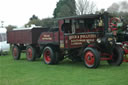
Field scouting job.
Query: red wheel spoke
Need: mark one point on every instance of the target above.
(15, 52)
(89, 58)
(47, 56)
(29, 53)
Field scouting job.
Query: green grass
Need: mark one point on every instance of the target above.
(22, 72)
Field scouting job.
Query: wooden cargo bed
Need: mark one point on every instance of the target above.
(26, 36)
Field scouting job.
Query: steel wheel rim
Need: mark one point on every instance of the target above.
(47, 56)
(29, 53)
(15, 52)
(89, 58)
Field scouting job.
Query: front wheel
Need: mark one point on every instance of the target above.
(117, 57)
(49, 55)
(91, 57)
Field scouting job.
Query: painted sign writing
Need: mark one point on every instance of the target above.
(82, 36)
(46, 37)
(80, 39)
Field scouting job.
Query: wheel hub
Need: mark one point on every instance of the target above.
(47, 56)
(89, 58)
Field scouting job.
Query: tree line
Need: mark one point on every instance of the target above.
(63, 8)
(66, 8)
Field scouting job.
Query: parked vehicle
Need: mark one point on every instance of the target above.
(80, 38)
(4, 46)
(122, 39)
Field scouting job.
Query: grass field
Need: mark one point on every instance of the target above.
(22, 72)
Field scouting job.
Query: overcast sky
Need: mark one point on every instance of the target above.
(18, 12)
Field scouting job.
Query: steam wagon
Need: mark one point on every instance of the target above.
(80, 38)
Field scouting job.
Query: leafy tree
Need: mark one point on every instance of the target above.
(34, 17)
(33, 20)
(65, 8)
(10, 27)
(36, 22)
(48, 22)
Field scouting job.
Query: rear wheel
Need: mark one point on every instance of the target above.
(49, 55)
(91, 57)
(16, 52)
(117, 57)
(30, 53)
